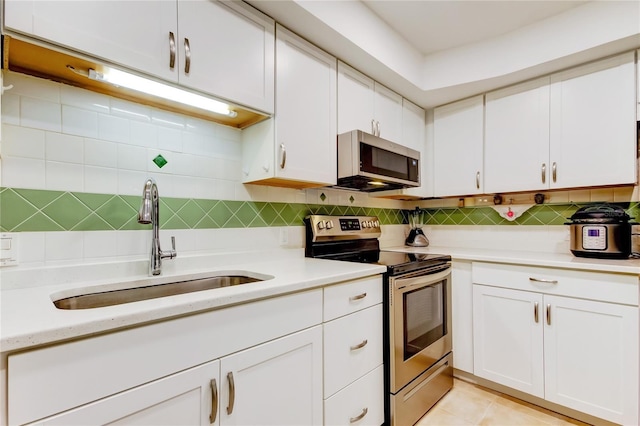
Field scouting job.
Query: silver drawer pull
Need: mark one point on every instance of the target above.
(358, 297)
(360, 416)
(541, 280)
(214, 401)
(232, 393)
(359, 345)
(535, 312)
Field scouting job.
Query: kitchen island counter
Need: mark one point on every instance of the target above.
(29, 317)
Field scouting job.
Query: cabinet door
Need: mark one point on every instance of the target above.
(305, 111)
(462, 315)
(185, 398)
(593, 124)
(276, 383)
(591, 357)
(458, 138)
(388, 113)
(355, 100)
(516, 144)
(507, 338)
(231, 51)
(134, 34)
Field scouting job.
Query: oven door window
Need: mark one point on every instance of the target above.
(424, 318)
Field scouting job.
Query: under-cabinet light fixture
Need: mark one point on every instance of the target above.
(151, 87)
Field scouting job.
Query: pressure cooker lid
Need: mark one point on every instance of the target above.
(602, 213)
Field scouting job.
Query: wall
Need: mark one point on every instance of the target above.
(74, 163)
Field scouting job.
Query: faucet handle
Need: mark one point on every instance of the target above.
(173, 243)
(170, 254)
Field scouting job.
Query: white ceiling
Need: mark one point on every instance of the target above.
(432, 26)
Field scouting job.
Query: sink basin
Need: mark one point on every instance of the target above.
(127, 295)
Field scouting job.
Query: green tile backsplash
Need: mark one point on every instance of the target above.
(23, 210)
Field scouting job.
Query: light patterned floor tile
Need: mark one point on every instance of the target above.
(439, 417)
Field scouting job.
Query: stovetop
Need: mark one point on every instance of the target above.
(399, 263)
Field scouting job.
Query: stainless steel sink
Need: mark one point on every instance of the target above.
(127, 295)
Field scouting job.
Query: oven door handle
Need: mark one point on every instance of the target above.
(406, 284)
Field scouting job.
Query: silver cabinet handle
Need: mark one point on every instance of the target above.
(359, 345)
(378, 128)
(214, 401)
(172, 50)
(187, 56)
(544, 172)
(283, 159)
(232, 393)
(477, 180)
(373, 126)
(358, 297)
(535, 312)
(548, 314)
(541, 280)
(554, 171)
(360, 416)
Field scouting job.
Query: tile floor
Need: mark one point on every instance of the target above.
(467, 404)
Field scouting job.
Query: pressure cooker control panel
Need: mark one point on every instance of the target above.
(594, 237)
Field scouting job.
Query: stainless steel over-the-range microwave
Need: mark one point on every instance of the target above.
(370, 163)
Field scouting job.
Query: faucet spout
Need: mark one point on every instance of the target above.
(150, 213)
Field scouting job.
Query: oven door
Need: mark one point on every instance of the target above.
(419, 324)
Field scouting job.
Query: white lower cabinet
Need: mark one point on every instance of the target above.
(534, 333)
(353, 371)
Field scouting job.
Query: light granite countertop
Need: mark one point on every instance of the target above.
(29, 317)
(553, 260)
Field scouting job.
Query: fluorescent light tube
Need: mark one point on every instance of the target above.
(151, 87)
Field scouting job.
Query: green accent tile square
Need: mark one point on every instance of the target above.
(257, 223)
(39, 222)
(39, 198)
(246, 213)
(234, 222)
(93, 222)
(14, 209)
(174, 204)
(191, 213)
(67, 211)
(133, 225)
(93, 201)
(175, 222)
(160, 161)
(206, 223)
(206, 205)
(271, 217)
(220, 214)
(117, 212)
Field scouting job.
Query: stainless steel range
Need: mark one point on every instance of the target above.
(417, 304)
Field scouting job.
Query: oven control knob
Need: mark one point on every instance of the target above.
(329, 224)
(321, 224)
(376, 224)
(364, 224)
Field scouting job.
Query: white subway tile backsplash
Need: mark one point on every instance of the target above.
(100, 180)
(580, 196)
(23, 142)
(84, 99)
(229, 133)
(10, 109)
(143, 134)
(132, 157)
(20, 172)
(99, 244)
(170, 139)
(114, 129)
(133, 243)
(168, 119)
(64, 148)
(184, 164)
(130, 182)
(225, 190)
(602, 195)
(31, 248)
(206, 167)
(195, 143)
(231, 170)
(130, 110)
(196, 125)
(32, 87)
(40, 114)
(623, 194)
(64, 176)
(77, 121)
(63, 246)
(100, 153)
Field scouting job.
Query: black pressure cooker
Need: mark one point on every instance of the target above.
(601, 231)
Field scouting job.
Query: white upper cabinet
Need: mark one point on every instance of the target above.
(297, 148)
(226, 47)
(593, 124)
(458, 137)
(230, 51)
(516, 144)
(366, 105)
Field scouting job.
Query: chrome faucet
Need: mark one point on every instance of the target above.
(150, 213)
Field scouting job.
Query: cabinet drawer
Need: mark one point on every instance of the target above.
(602, 286)
(352, 347)
(352, 296)
(71, 374)
(366, 395)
